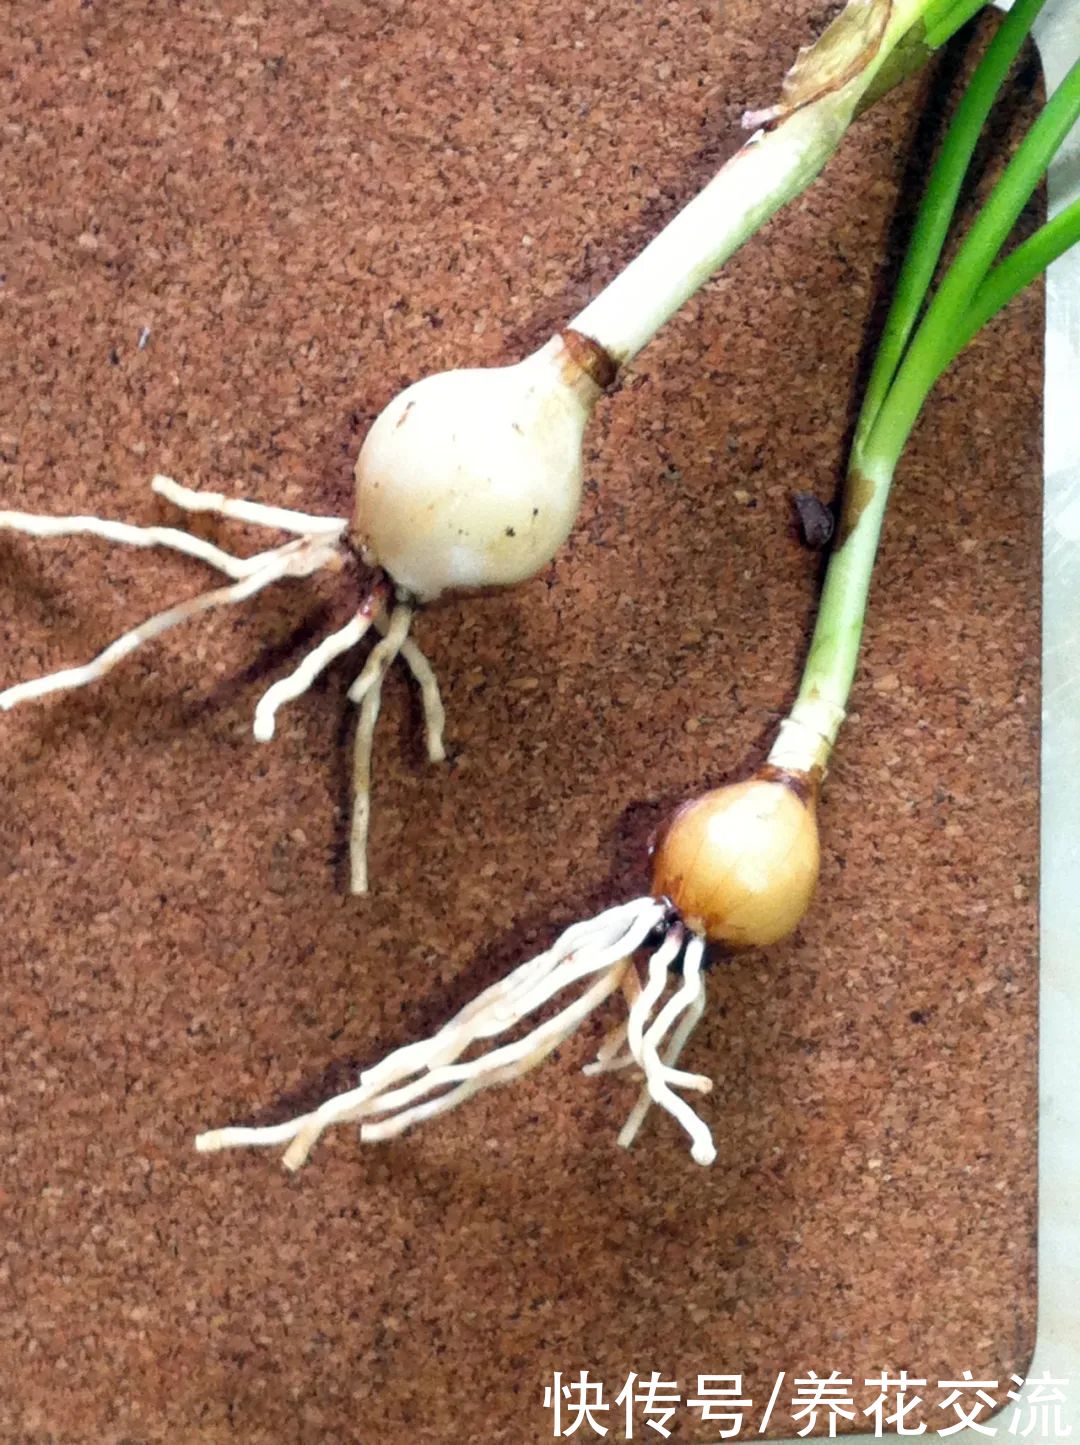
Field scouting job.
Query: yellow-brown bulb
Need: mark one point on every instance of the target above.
(741, 863)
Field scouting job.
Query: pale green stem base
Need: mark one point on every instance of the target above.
(807, 735)
(770, 170)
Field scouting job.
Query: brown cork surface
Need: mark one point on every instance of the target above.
(309, 206)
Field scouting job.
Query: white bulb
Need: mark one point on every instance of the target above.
(472, 478)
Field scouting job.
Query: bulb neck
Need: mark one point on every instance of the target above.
(584, 355)
(806, 738)
(581, 363)
(804, 783)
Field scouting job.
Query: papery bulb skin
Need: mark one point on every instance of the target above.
(472, 478)
(741, 863)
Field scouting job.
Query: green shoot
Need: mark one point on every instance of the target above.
(934, 345)
(974, 287)
(947, 17)
(1009, 277)
(939, 204)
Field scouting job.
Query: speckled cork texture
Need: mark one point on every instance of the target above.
(306, 207)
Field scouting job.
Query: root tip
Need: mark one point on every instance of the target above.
(208, 1143)
(295, 1157)
(358, 869)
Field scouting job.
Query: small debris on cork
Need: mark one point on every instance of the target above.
(816, 521)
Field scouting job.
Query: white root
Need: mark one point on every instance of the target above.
(279, 519)
(430, 697)
(383, 653)
(287, 689)
(661, 1075)
(295, 559)
(427, 1078)
(521, 1058)
(318, 544)
(612, 1054)
(510, 1061)
(500, 1003)
(31, 525)
(367, 690)
(492, 1011)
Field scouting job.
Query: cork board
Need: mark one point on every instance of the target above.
(306, 207)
